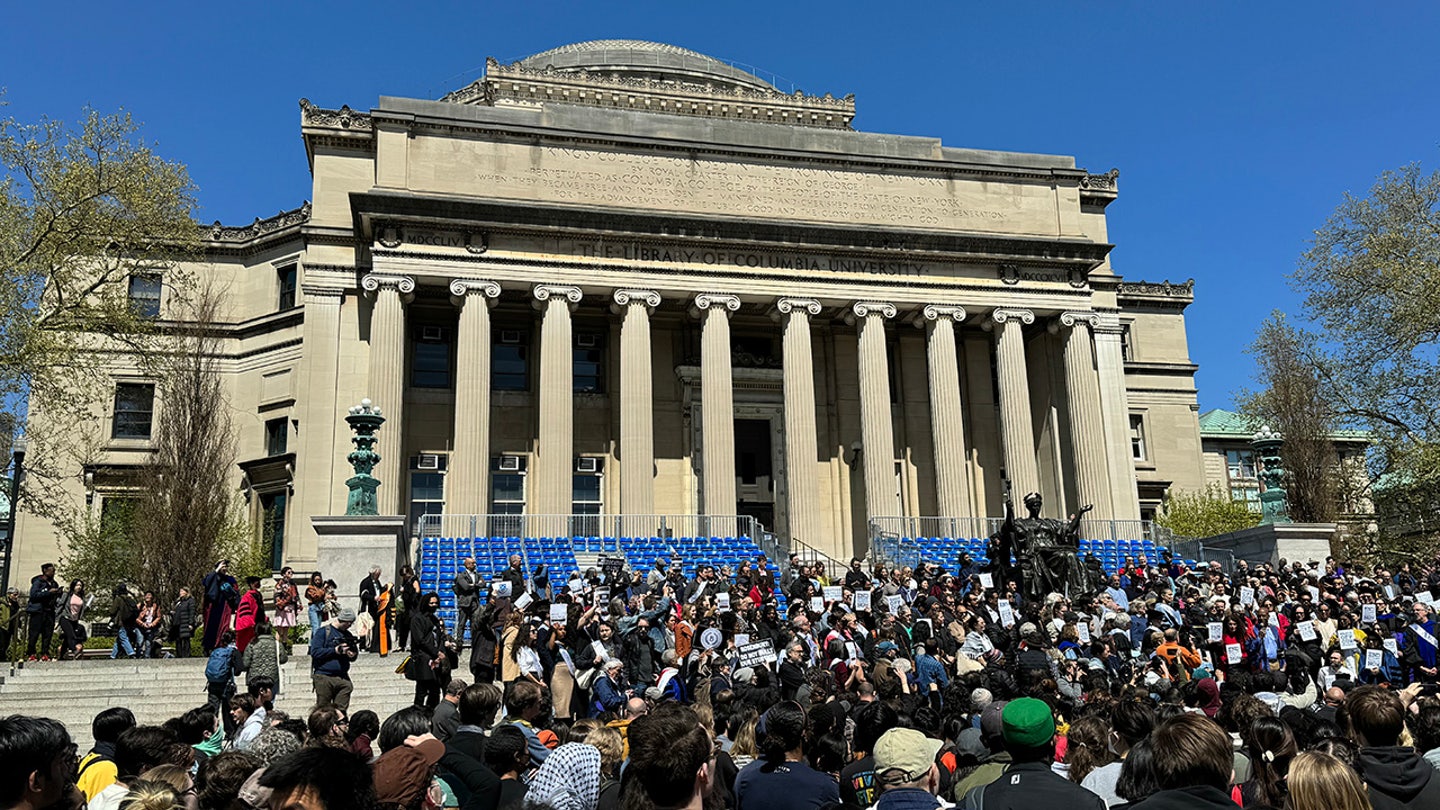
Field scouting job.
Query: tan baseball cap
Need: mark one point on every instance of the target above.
(904, 755)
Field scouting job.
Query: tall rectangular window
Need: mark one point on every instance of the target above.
(1127, 342)
(286, 276)
(507, 494)
(510, 360)
(277, 433)
(587, 497)
(427, 496)
(430, 361)
(1137, 437)
(134, 411)
(1248, 494)
(272, 526)
(145, 295)
(589, 363)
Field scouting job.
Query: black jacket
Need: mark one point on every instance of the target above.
(425, 640)
(182, 618)
(369, 595)
(1398, 777)
(1202, 797)
(1028, 785)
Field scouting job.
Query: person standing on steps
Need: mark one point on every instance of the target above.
(182, 622)
(409, 603)
(221, 596)
(370, 604)
(9, 619)
(315, 601)
(287, 602)
(40, 612)
(331, 651)
(250, 613)
(467, 598)
(72, 609)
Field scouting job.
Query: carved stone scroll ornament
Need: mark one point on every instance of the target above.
(625, 297)
(788, 305)
(1069, 319)
(544, 292)
(934, 312)
(863, 309)
(704, 301)
(1023, 316)
(374, 282)
(462, 288)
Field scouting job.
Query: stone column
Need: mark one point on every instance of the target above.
(317, 492)
(637, 404)
(1017, 435)
(877, 429)
(467, 483)
(1115, 411)
(802, 481)
(555, 448)
(390, 294)
(1087, 428)
(717, 405)
(947, 418)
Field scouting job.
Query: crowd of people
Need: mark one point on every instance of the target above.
(1301, 685)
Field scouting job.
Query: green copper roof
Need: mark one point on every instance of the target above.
(1219, 423)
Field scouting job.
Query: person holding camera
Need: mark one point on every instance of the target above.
(331, 651)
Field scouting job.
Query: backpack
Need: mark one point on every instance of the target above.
(220, 666)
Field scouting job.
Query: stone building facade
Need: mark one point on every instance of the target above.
(623, 278)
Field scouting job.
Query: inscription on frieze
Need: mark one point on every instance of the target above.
(700, 185)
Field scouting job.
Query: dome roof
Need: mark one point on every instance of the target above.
(634, 58)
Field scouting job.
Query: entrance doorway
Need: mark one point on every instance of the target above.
(755, 470)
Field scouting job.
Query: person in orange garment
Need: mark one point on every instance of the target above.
(1180, 659)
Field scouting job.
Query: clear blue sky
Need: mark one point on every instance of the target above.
(1236, 126)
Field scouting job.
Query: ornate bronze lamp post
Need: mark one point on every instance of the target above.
(1267, 445)
(364, 419)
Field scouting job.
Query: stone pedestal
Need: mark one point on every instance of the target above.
(1272, 542)
(349, 544)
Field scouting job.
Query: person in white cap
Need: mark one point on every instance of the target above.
(906, 771)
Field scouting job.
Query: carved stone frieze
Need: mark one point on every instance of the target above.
(260, 227)
(343, 118)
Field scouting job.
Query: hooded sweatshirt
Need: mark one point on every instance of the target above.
(1398, 778)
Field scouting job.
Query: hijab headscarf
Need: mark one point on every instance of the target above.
(1210, 693)
(569, 779)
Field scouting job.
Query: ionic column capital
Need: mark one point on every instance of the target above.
(373, 283)
(864, 309)
(785, 306)
(938, 312)
(463, 288)
(625, 297)
(1001, 315)
(1070, 319)
(544, 292)
(723, 302)
(1107, 323)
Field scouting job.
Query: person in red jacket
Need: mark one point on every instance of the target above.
(249, 613)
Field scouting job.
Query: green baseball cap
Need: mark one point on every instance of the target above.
(1028, 722)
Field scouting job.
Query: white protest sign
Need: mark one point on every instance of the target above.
(1347, 639)
(722, 601)
(853, 650)
(600, 651)
(1374, 658)
(711, 638)
(741, 639)
(559, 612)
(1424, 596)
(500, 588)
(1247, 595)
(833, 593)
(1389, 591)
(1216, 632)
(1392, 645)
(817, 604)
(1314, 593)
(1232, 653)
(862, 600)
(893, 603)
(759, 654)
(1007, 615)
(987, 581)
(1367, 614)
(576, 585)
(524, 601)
(1084, 630)
(1306, 631)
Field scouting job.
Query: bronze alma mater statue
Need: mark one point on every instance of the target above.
(1048, 552)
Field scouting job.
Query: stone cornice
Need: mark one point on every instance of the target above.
(1100, 189)
(285, 223)
(462, 288)
(1161, 291)
(517, 85)
(343, 119)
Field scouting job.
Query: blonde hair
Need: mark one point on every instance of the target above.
(611, 746)
(745, 741)
(145, 794)
(1319, 781)
(172, 775)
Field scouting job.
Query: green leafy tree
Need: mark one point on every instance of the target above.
(1371, 282)
(1205, 513)
(84, 208)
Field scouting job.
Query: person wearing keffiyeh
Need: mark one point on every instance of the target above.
(569, 780)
